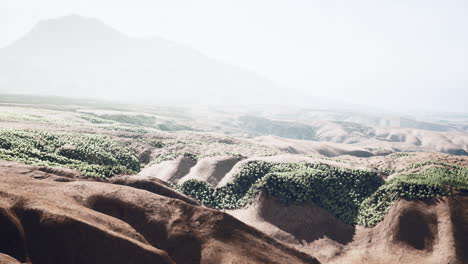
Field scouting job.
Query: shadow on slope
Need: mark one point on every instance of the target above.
(78, 221)
(295, 224)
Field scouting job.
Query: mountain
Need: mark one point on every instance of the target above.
(79, 56)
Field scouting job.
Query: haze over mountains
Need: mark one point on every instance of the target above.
(78, 56)
(119, 149)
(83, 57)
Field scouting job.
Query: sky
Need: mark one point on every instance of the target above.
(399, 54)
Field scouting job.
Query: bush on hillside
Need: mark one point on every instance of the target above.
(94, 156)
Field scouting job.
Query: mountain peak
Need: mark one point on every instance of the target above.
(70, 17)
(72, 20)
(83, 56)
(77, 24)
(70, 28)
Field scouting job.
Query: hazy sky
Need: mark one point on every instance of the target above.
(395, 53)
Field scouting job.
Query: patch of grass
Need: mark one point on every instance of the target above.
(148, 121)
(430, 183)
(263, 126)
(172, 156)
(403, 154)
(131, 129)
(139, 120)
(94, 156)
(95, 120)
(354, 196)
(340, 191)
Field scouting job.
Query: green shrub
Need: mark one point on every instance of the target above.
(198, 190)
(430, 183)
(354, 196)
(94, 156)
(338, 190)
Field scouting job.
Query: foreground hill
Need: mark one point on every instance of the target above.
(49, 216)
(413, 231)
(343, 215)
(53, 215)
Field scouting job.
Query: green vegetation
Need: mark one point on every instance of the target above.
(172, 126)
(429, 183)
(354, 196)
(95, 120)
(263, 126)
(402, 154)
(172, 156)
(94, 156)
(338, 190)
(141, 120)
(426, 163)
(131, 129)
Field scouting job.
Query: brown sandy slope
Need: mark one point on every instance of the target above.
(327, 149)
(154, 185)
(5, 259)
(415, 231)
(212, 169)
(171, 170)
(46, 218)
(298, 225)
(430, 231)
(384, 141)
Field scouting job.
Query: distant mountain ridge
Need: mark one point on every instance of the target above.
(78, 56)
